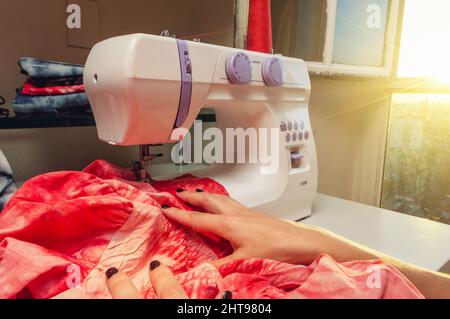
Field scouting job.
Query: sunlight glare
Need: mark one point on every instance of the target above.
(425, 44)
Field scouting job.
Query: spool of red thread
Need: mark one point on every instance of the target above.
(259, 36)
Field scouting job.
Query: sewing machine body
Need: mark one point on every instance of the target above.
(145, 89)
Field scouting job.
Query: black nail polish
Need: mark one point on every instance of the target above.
(154, 264)
(227, 295)
(198, 190)
(180, 190)
(111, 272)
(165, 206)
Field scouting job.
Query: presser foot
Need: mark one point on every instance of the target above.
(141, 167)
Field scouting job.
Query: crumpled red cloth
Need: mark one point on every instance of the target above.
(61, 231)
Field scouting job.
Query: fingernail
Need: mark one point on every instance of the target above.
(227, 295)
(165, 206)
(154, 264)
(111, 272)
(198, 190)
(180, 190)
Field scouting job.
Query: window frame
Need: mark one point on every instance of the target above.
(327, 67)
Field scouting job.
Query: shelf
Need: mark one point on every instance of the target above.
(45, 121)
(53, 120)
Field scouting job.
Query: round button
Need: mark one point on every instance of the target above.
(288, 138)
(296, 125)
(294, 137)
(239, 68)
(290, 126)
(300, 136)
(273, 71)
(306, 135)
(302, 125)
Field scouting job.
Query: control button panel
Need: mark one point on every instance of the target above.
(294, 131)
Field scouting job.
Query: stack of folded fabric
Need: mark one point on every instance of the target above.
(51, 87)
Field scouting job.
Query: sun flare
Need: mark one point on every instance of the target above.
(425, 44)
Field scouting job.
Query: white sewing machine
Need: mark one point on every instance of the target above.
(143, 89)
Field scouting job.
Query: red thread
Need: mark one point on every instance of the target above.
(259, 36)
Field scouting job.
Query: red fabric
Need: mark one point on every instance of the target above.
(104, 170)
(30, 89)
(62, 231)
(259, 35)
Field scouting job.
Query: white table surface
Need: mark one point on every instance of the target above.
(415, 240)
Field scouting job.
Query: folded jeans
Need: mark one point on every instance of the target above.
(43, 69)
(76, 102)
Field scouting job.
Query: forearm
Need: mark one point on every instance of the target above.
(431, 284)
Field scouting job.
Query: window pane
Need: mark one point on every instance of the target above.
(417, 169)
(425, 48)
(360, 32)
(299, 28)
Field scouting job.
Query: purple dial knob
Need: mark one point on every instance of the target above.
(273, 72)
(239, 68)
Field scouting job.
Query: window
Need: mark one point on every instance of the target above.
(360, 32)
(349, 37)
(425, 44)
(417, 168)
(299, 28)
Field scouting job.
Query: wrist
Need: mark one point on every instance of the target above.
(342, 249)
(308, 244)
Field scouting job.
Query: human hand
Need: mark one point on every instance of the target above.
(255, 235)
(163, 281)
(252, 234)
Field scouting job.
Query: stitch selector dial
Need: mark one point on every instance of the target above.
(273, 71)
(239, 68)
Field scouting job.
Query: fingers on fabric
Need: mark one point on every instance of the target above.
(226, 294)
(200, 222)
(164, 282)
(211, 203)
(120, 285)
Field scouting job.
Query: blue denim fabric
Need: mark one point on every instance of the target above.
(7, 186)
(42, 69)
(76, 102)
(55, 82)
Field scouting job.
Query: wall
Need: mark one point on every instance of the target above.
(350, 120)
